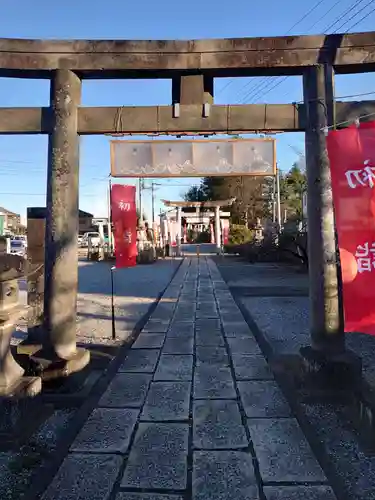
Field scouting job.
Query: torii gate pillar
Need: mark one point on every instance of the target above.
(217, 230)
(61, 243)
(178, 232)
(327, 353)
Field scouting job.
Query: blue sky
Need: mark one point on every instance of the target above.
(23, 158)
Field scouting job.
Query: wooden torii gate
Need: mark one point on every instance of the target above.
(192, 66)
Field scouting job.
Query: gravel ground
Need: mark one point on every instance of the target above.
(280, 314)
(135, 289)
(268, 293)
(18, 466)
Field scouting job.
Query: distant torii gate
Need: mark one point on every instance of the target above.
(216, 205)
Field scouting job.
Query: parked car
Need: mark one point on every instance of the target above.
(18, 247)
(22, 238)
(94, 238)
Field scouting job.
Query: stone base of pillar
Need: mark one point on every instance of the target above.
(331, 370)
(50, 366)
(24, 387)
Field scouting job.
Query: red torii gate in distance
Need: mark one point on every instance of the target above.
(216, 205)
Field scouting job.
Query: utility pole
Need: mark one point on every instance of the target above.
(140, 187)
(278, 198)
(273, 199)
(153, 201)
(152, 188)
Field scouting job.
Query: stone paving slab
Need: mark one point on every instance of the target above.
(181, 329)
(179, 345)
(185, 309)
(207, 324)
(149, 341)
(212, 356)
(212, 382)
(108, 430)
(235, 316)
(127, 390)
(154, 326)
(163, 312)
(283, 452)
(236, 329)
(263, 398)
(243, 345)
(217, 425)
(158, 458)
(174, 367)
(146, 496)
(184, 316)
(173, 413)
(223, 475)
(209, 338)
(206, 313)
(140, 360)
(167, 401)
(251, 367)
(83, 477)
(299, 492)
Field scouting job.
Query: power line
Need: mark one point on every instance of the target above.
(362, 19)
(265, 83)
(325, 15)
(282, 79)
(305, 16)
(318, 3)
(261, 87)
(346, 122)
(258, 91)
(355, 4)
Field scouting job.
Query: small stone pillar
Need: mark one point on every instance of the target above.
(35, 279)
(217, 230)
(12, 382)
(61, 256)
(178, 231)
(259, 236)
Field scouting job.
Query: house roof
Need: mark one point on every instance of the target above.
(82, 213)
(8, 212)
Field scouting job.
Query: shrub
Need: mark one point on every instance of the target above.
(239, 234)
(203, 237)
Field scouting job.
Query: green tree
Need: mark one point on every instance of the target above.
(292, 186)
(252, 196)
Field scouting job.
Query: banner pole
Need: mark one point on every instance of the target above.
(110, 215)
(111, 248)
(113, 306)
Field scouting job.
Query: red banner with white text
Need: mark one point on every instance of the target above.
(351, 154)
(124, 219)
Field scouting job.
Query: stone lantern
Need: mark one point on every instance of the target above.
(12, 380)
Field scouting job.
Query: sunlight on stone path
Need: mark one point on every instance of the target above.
(193, 412)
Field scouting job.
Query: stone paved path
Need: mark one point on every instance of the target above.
(193, 412)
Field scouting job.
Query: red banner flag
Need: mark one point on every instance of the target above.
(351, 153)
(124, 219)
(225, 230)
